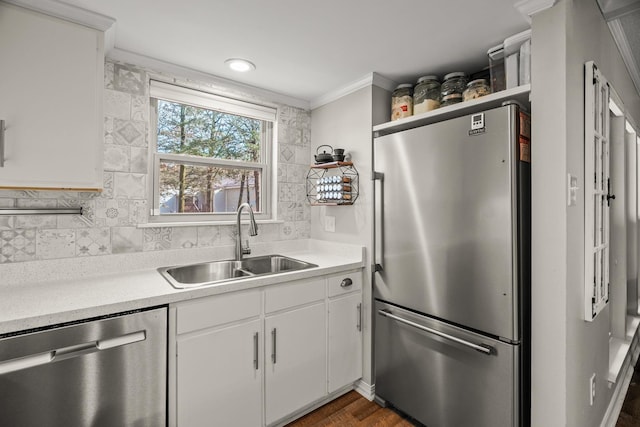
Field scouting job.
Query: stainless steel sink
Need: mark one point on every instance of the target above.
(209, 273)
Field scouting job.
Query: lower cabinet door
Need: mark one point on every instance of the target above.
(345, 341)
(296, 361)
(219, 377)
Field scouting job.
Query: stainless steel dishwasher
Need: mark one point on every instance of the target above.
(105, 372)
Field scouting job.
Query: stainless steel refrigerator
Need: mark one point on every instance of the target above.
(452, 279)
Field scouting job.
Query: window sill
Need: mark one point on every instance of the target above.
(623, 352)
(204, 223)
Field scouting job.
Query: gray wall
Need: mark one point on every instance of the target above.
(566, 349)
(346, 123)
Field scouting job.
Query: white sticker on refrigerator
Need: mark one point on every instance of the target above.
(477, 124)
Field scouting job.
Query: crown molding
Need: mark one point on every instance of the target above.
(371, 79)
(67, 12)
(531, 7)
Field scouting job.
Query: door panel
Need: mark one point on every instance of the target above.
(448, 222)
(441, 382)
(298, 375)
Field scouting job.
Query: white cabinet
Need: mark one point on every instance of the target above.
(258, 357)
(51, 82)
(216, 361)
(297, 359)
(345, 341)
(344, 330)
(219, 377)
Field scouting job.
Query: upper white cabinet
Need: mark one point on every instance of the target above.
(51, 82)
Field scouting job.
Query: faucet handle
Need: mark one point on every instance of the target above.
(246, 250)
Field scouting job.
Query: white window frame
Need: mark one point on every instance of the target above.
(596, 179)
(197, 98)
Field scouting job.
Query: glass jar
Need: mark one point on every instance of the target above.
(452, 88)
(402, 101)
(476, 89)
(426, 95)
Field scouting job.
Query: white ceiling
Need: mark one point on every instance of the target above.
(306, 49)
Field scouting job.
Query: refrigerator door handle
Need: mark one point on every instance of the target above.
(378, 236)
(482, 348)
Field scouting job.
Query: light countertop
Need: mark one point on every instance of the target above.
(44, 293)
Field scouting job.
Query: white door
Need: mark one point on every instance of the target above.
(219, 377)
(345, 341)
(296, 360)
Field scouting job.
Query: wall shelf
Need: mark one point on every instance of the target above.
(340, 188)
(494, 100)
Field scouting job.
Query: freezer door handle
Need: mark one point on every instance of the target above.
(482, 348)
(378, 218)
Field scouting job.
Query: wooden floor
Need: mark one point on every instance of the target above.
(351, 410)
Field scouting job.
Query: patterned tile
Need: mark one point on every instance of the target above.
(139, 160)
(287, 231)
(287, 154)
(140, 108)
(184, 238)
(130, 133)
(17, 245)
(7, 222)
(93, 241)
(116, 158)
(208, 236)
(126, 239)
(87, 219)
(157, 239)
(107, 186)
(112, 212)
(129, 185)
(108, 130)
(129, 79)
(36, 221)
(108, 74)
(51, 244)
(117, 104)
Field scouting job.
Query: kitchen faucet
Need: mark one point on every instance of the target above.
(253, 231)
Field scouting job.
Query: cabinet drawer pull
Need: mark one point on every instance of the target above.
(359, 324)
(1, 143)
(346, 283)
(273, 345)
(255, 351)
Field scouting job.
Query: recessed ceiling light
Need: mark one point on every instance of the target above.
(240, 65)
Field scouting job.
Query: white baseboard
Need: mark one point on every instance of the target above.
(368, 391)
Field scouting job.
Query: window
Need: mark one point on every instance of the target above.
(210, 154)
(597, 197)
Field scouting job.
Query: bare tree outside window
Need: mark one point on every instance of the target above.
(218, 166)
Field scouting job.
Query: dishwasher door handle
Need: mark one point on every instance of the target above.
(69, 352)
(482, 348)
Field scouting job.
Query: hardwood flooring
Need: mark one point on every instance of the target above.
(630, 412)
(351, 410)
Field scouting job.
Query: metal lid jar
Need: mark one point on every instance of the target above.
(476, 89)
(452, 88)
(426, 95)
(402, 101)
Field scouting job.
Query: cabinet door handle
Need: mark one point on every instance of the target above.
(359, 324)
(255, 351)
(1, 143)
(273, 345)
(346, 282)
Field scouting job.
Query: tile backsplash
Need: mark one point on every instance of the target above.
(111, 219)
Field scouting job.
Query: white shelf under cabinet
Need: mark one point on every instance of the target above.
(520, 94)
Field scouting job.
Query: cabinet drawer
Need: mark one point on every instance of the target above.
(344, 282)
(289, 295)
(217, 310)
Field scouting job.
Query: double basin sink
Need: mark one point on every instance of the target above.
(209, 273)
